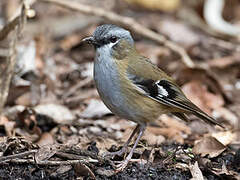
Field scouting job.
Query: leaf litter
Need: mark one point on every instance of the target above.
(54, 124)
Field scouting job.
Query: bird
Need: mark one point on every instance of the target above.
(134, 88)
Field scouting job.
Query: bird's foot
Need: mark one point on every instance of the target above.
(120, 166)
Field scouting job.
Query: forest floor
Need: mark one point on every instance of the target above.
(55, 126)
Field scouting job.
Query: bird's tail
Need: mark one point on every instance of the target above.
(202, 115)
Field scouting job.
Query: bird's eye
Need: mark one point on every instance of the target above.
(113, 39)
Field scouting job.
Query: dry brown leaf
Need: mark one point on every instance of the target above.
(174, 123)
(59, 113)
(149, 136)
(152, 139)
(208, 146)
(225, 138)
(199, 95)
(72, 140)
(106, 143)
(173, 129)
(46, 139)
(95, 108)
(122, 123)
(170, 133)
(45, 152)
(103, 142)
(200, 127)
(84, 142)
(83, 170)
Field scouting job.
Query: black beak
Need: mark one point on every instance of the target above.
(90, 40)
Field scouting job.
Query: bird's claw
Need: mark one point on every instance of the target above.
(121, 166)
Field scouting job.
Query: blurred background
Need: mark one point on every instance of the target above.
(46, 77)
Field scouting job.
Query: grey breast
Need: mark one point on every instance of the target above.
(107, 83)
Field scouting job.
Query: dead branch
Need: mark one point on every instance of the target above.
(14, 156)
(49, 163)
(69, 156)
(9, 27)
(8, 39)
(80, 152)
(128, 22)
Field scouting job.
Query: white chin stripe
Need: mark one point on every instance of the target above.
(110, 45)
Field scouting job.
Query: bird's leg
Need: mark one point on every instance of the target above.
(124, 148)
(124, 163)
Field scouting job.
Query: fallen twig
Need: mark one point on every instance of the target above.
(76, 157)
(49, 163)
(8, 38)
(9, 27)
(126, 21)
(77, 151)
(18, 20)
(20, 155)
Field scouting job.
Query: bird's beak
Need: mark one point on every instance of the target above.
(90, 40)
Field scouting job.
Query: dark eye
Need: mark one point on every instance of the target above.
(113, 39)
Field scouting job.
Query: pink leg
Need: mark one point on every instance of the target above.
(124, 163)
(124, 148)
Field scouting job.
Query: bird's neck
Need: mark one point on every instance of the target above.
(123, 50)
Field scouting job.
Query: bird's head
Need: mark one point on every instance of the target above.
(112, 40)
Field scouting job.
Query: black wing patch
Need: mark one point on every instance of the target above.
(148, 85)
(163, 91)
(155, 89)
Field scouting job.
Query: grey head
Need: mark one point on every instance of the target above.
(109, 34)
